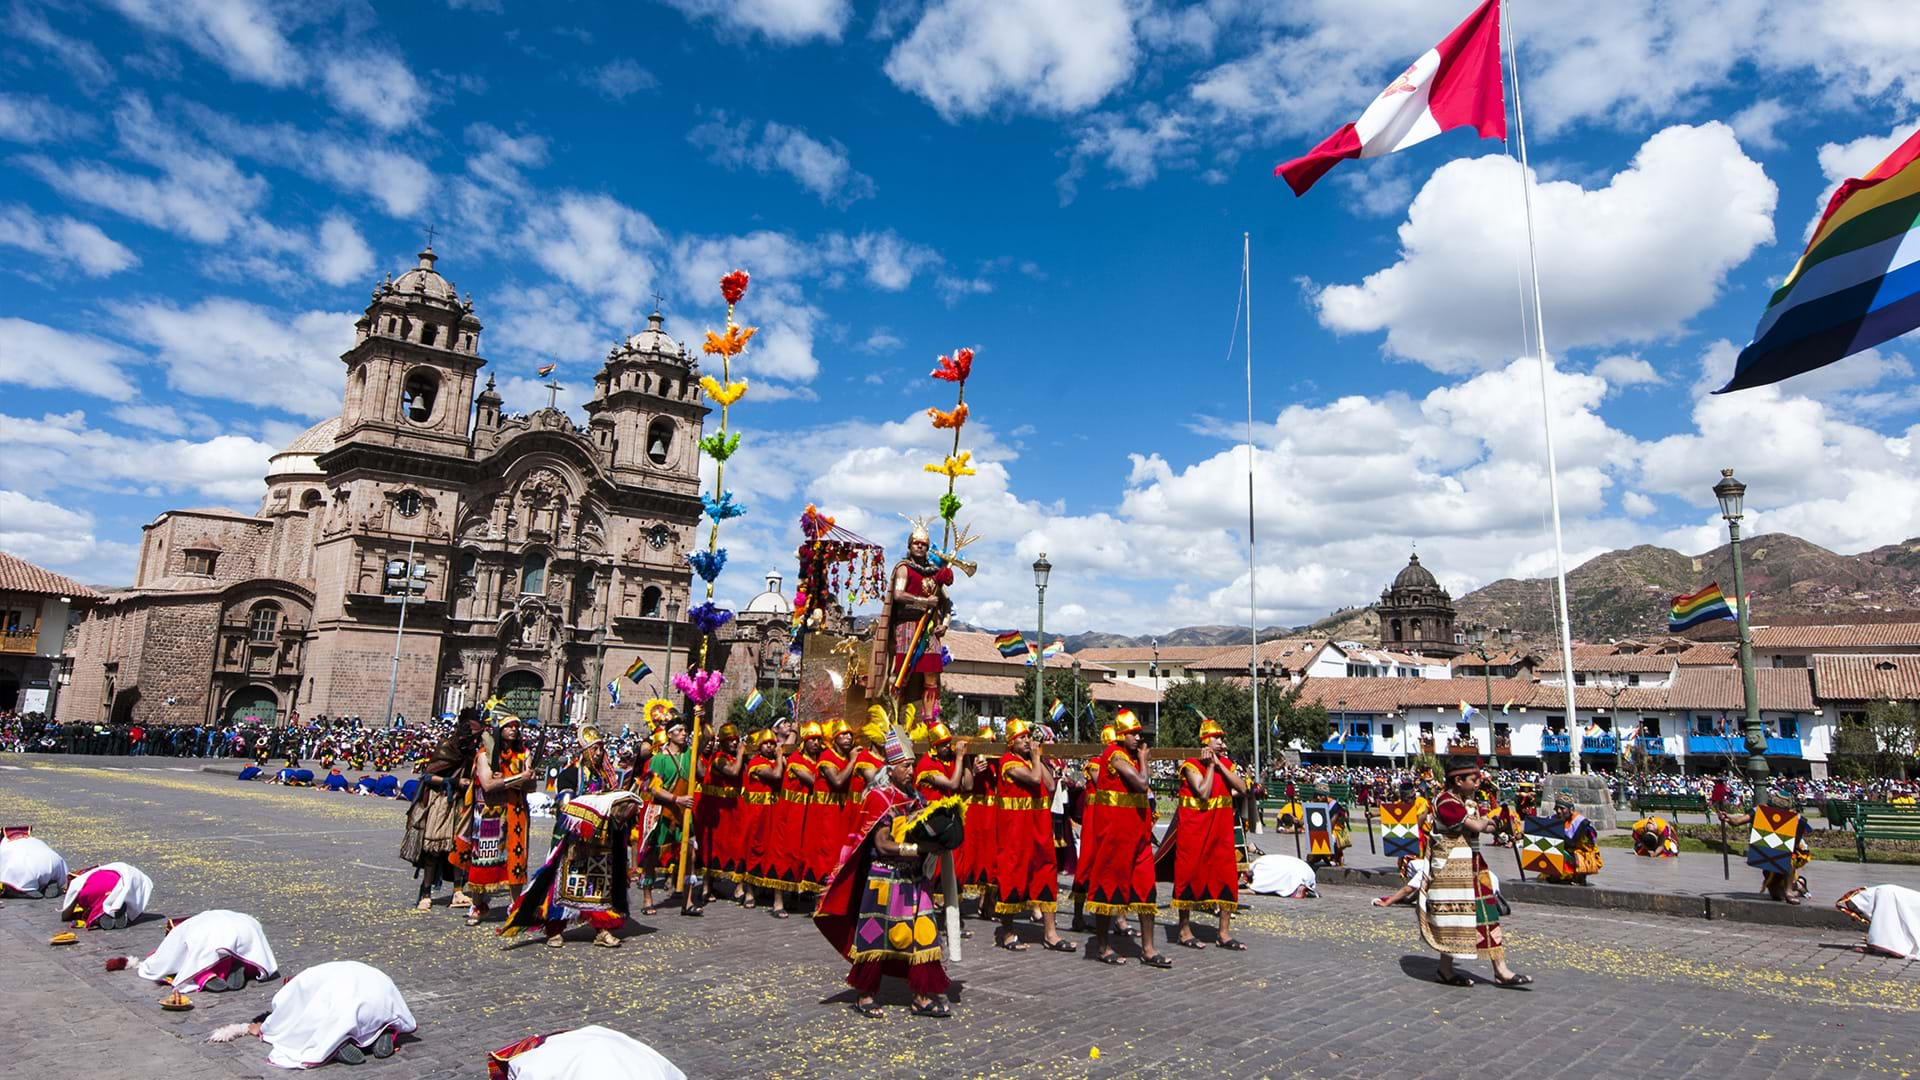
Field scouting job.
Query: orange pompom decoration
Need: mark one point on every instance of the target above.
(734, 286)
(952, 419)
(957, 369)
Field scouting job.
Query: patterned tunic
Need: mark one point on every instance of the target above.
(1459, 915)
(497, 863)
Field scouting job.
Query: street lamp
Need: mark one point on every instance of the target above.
(1156, 687)
(1342, 732)
(1041, 568)
(1478, 637)
(1076, 699)
(1731, 493)
(673, 617)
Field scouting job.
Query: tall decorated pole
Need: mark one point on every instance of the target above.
(701, 684)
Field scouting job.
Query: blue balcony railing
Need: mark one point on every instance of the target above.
(1653, 746)
(1556, 743)
(1777, 746)
(1600, 744)
(1352, 744)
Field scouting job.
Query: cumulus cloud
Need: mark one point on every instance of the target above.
(618, 80)
(967, 57)
(1631, 261)
(46, 358)
(1622, 370)
(64, 242)
(60, 538)
(823, 168)
(61, 451)
(785, 22)
(239, 351)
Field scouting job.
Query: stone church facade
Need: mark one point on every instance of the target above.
(527, 553)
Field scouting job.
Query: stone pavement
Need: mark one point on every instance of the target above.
(1331, 987)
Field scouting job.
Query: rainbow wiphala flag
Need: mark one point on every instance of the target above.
(1010, 644)
(1695, 608)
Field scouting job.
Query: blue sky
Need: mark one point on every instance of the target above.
(197, 196)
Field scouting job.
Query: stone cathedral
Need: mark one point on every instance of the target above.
(527, 555)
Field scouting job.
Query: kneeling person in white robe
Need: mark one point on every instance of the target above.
(106, 897)
(588, 1053)
(338, 1011)
(28, 867)
(213, 951)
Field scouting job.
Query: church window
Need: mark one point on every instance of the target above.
(1415, 629)
(263, 623)
(311, 500)
(417, 401)
(533, 572)
(1396, 630)
(650, 602)
(660, 441)
(429, 333)
(469, 563)
(200, 562)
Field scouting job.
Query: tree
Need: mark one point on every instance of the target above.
(778, 703)
(1284, 716)
(1060, 682)
(1883, 742)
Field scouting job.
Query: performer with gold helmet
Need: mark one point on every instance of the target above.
(1026, 875)
(1120, 873)
(716, 817)
(788, 871)
(1206, 866)
(918, 609)
(840, 777)
(759, 790)
(669, 787)
(1091, 768)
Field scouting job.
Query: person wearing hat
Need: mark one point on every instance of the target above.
(1026, 877)
(670, 787)
(788, 871)
(1090, 770)
(941, 773)
(1120, 872)
(1790, 887)
(878, 910)
(1206, 866)
(1583, 843)
(759, 788)
(434, 820)
(1459, 911)
(716, 817)
(584, 879)
(497, 860)
(840, 777)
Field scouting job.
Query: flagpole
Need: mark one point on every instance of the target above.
(1253, 593)
(1546, 403)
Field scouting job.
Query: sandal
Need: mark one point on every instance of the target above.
(1012, 945)
(649, 910)
(781, 915)
(555, 942)
(868, 1009)
(1518, 980)
(474, 916)
(1111, 958)
(1191, 943)
(1157, 960)
(1232, 944)
(1059, 945)
(1453, 979)
(936, 1009)
(693, 912)
(425, 904)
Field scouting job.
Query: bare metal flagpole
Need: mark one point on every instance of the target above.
(1546, 404)
(1253, 593)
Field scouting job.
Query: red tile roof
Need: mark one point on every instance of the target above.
(1785, 689)
(19, 575)
(1289, 653)
(1122, 693)
(1865, 635)
(1629, 662)
(1867, 678)
(1143, 654)
(1706, 656)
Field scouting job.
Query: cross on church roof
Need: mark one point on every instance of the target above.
(430, 231)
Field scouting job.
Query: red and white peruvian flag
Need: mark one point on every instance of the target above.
(1456, 84)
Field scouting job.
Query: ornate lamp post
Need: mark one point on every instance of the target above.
(1076, 699)
(1341, 731)
(1041, 568)
(673, 617)
(1156, 688)
(1478, 638)
(1731, 493)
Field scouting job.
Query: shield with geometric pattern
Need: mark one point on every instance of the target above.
(1399, 830)
(1319, 828)
(1770, 845)
(1543, 846)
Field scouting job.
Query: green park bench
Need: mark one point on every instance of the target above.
(1839, 813)
(1883, 821)
(1673, 804)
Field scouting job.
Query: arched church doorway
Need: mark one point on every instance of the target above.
(253, 705)
(520, 692)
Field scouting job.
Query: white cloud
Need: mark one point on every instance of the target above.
(238, 351)
(966, 57)
(59, 538)
(1840, 162)
(1620, 370)
(242, 36)
(823, 168)
(399, 182)
(1632, 261)
(342, 255)
(1755, 124)
(64, 241)
(782, 21)
(618, 80)
(80, 58)
(26, 118)
(377, 86)
(599, 246)
(46, 359)
(1636, 504)
(166, 419)
(60, 451)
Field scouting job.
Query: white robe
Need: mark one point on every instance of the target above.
(1282, 875)
(1893, 912)
(592, 1053)
(130, 894)
(318, 1009)
(28, 864)
(198, 943)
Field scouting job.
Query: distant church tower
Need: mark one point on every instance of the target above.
(1416, 614)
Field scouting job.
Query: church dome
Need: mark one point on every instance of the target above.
(771, 602)
(423, 280)
(654, 340)
(1415, 576)
(301, 456)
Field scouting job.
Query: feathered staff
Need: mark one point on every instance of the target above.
(955, 371)
(701, 685)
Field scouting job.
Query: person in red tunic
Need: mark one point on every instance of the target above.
(917, 614)
(787, 844)
(1091, 773)
(759, 788)
(1025, 874)
(867, 764)
(1120, 876)
(978, 860)
(827, 818)
(715, 816)
(1206, 868)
